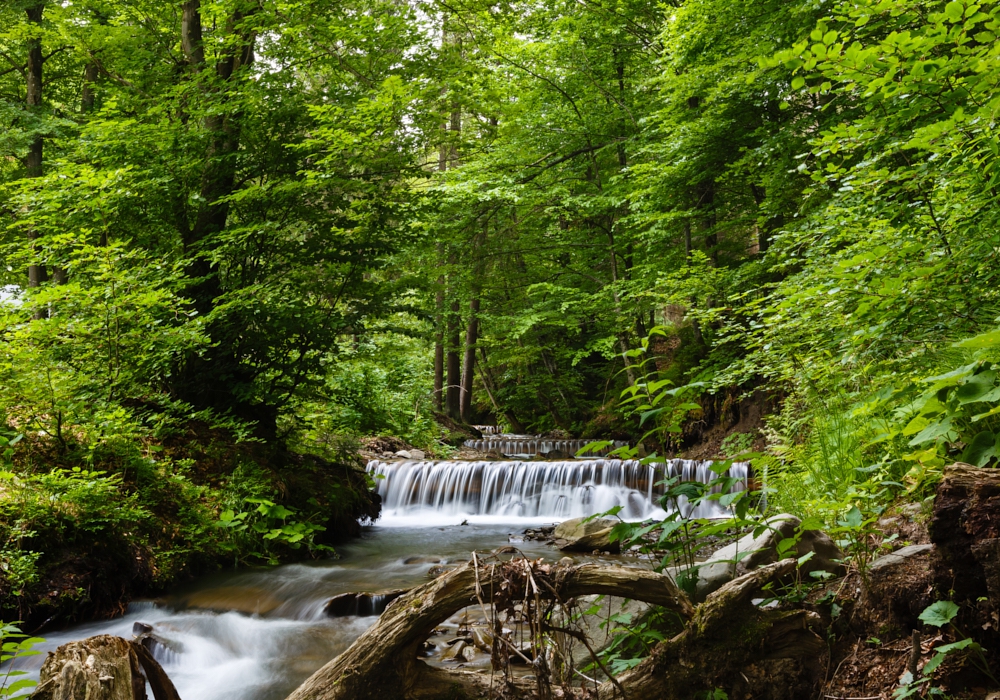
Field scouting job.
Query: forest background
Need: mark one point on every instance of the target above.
(240, 235)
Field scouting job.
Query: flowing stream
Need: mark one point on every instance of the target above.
(257, 634)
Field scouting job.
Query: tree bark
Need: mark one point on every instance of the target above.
(965, 529)
(33, 102)
(102, 668)
(454, 379)
(383, 665)
(439, 346)
(469, 362)
(721, 636)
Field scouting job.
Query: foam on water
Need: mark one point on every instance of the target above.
(437, 492)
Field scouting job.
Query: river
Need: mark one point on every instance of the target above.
(257, 634)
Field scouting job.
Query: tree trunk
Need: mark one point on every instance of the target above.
(102, 668)
(469, 363)
(454, 379)
(721, 637)
(383, 665)
(33, 102)
(439, 346)
(965, 529)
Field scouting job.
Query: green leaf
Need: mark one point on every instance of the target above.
(981, 450)
(798, 82)
(939, 614)
(990, 339)
(954, 11)
(853, 518)
(931, 432)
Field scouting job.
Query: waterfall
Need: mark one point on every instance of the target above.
(527, 446)
(430, 492)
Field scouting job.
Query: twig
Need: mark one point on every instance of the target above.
(914, 655)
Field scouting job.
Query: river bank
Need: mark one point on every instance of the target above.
(82, 538)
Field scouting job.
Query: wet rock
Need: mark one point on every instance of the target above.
(139, 628)
(422, 560)
(245, 599)
(360, 604)
(482, 638)
(436, 571)
(460, 651)
(749, 553)
(539, 534)
(556, 454)
(404, 454)
(900, 556)
(594, 535)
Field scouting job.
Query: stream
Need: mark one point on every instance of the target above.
(257, 634)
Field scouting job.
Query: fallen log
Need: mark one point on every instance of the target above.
(720, 636)
(726, 634)
(102, 668)
(383, 665)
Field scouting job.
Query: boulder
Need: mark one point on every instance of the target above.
(404, 454)
(593, 535)
(416, 454)
(749, 553)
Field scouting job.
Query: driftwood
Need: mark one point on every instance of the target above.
(720, 636)
(102, 668)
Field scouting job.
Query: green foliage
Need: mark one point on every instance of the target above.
(941, 614)
(16, 645)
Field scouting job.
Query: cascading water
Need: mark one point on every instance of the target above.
(528, 446)
(498, 491)
(255, 635)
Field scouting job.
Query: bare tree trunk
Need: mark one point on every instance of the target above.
(383, 665)
(721, 636)
(33, 101)
(452, 360)
(469, 361)
(439, 345)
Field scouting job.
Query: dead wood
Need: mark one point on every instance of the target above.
(382, 664)
(721, 635)
(102, 668)
(726, 634)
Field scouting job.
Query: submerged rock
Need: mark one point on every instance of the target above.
(360, 604)
(594, 535)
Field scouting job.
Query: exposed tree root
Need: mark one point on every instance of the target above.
(720, 637)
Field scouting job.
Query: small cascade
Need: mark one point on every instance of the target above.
(428, 491)
(488, 429)
(527, 446)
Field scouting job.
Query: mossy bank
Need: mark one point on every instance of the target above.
(83, 533)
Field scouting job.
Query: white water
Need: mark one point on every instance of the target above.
(257, 634)
(430, 492)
